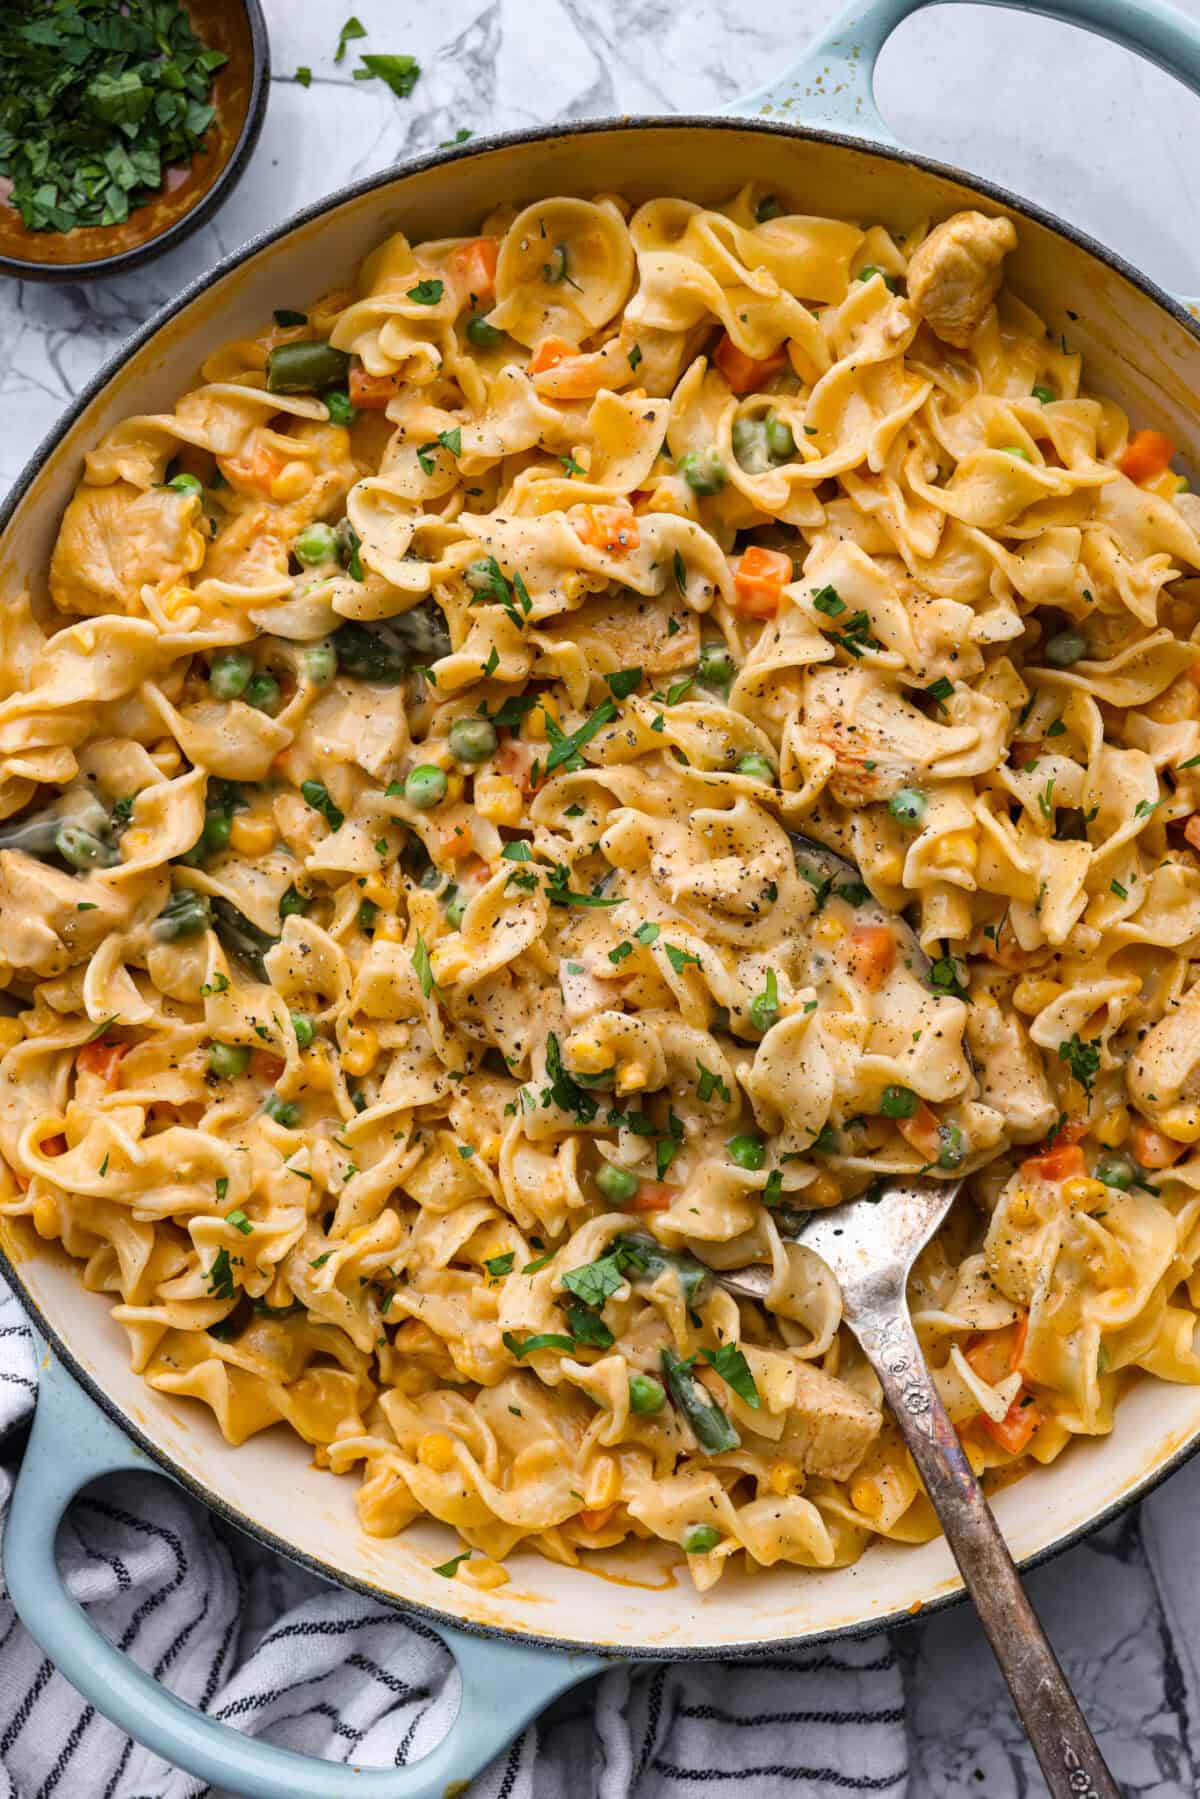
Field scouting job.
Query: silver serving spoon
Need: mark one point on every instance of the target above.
(870, 1246)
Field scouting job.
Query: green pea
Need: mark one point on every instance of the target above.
(217, 827)
(341, 410)
(425, 787)
(306, 368)
(483, 335)
(1115, 1171)
(750, 445)
(1016, 450)
(283, 1111)
(292, 902)
(780, 442)
(1065, 647)
(229, 674)
(767, 208)
(908, 807)
(705, 472)
(186, 484)
(617, 1184)
(898, 1102)
(1044, 394)
(473, 739)
(827, 1141)
(315, 544)
(82, 849)
(756, 768)
(185, 914)
(646, 1395)
(264, 693)
(748, 1151)
(717, 667)
(368, 916)
(455, 903)
(228, 1059)
(698, 1539)
(304, 1028)
(320, 663)
(953, 1151)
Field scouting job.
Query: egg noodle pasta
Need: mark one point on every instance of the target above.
(415, 983)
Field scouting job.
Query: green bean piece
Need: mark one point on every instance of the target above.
(36, 835)
(292, 903)
(304, 1028)
(228, 1059)
(82, 849)
(710, 1427)
(229, 674)
(647, 1259)
(186, 914)
(425, 786)
(748, 1151)
(473, 740)
(704, 471)
(315, 545)
(646, 1395)
(483, 335)
(1065, 647)
(308, 367)
(699, 1539)
(750, 445)
(908, 807)
(241, 938)
(320, 662)
(756, 768)
(264, 693)
(617, 1184)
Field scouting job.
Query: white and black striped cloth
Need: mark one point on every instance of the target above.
(252, 1639)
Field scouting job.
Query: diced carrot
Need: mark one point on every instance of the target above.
(869, 953)
(54, 1146)
(1020, 1332)
(257, 470)
(1146, 455)
(654, 1196)
(922, 1130)
(1017, 1425)
(1191, 831)
(760, 580)
(745, 373)
(475, 266)
(265, 1067)
(1072, 1130)
(101, 1059)
(549, 354)
(1055, 1164)
(597, 1518)
(993, 1354)
(610, 528)
(1152, 1148)
(455, 842)
(371, 393)
(515, 758)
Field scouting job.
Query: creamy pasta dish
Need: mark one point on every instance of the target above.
(417, 987)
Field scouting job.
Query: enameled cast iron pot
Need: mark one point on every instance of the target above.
(552, 1626)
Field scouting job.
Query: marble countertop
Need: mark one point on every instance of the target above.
(1053, 114)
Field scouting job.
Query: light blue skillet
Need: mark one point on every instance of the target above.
(504, 1683)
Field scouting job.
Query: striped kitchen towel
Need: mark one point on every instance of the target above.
(251, 1639)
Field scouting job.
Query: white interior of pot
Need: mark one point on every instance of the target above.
(640, 1597)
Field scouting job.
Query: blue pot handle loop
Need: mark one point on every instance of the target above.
(504, 1685)
(833, 86)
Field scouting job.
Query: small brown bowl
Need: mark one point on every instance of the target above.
(189, 196)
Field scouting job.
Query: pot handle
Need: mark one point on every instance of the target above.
(504, 1685)
(833, 84)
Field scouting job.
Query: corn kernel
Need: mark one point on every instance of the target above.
(604, 1483)
(45, 1215)
(317, 1072)
(1082, 1190)
(587, 1055)
(1031, 994)
(390, 929)
(1182, 1124)
(782, 1477)
(292, 482)
(956, 849)
(1111, 1128)
(177, 601)
(481, 1571)
(535, 721)
(889, 867)
(866, 1496)
(823, 1191)
(498, 799)
(360, 1051)
(436, 1451)
(251, 836)
(11, 1034)
(829, 929)
(454, 787)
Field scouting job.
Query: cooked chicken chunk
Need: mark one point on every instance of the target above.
(829, 1426)
(45, 933)
(1011, 1076)
(955, 274)
(115, 540)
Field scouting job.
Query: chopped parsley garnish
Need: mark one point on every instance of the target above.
(939, 690)
(647, 934)
(623, 682)
(239, 1221)
(499, 1265)
(572, 467)
(680, 568)
(401, 74)
(541, 1340)
(634, 356)
(710, 1083)
(944, 978)
(829, 601)
(220, 1277)
(564, 751)
(421, 962)
(563, 1091)
(764, 1007)
(680, 958)
(449, 1569)
(353, 28)
(317, 796)
(597, 1281)
(1115, 886)
(427, 292)
(1083, 1058)
(856, 636)
(732, 1366)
